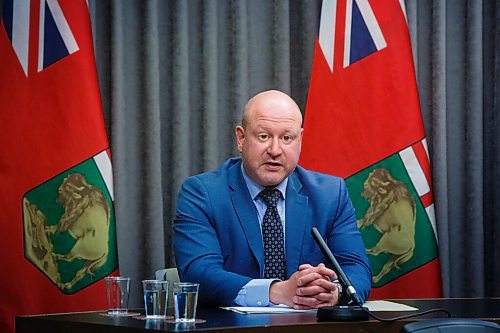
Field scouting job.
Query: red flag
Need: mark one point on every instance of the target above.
(363, 123)
(57, 213)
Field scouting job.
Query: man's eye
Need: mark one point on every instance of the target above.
(263, 136)
(287, 138)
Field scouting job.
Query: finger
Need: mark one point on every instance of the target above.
(329, 298)
(309, 302)
(321, 269)
(313, 290)
(301, 307)
(321, 305)
(308, 266)
(308, 278)
(327, 272)
(304, 266)
(307, 269)
(313, 303)
(325, 284)
(310, 291)
(321, 300)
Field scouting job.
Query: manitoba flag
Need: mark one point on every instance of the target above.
(56, 193)
(363, 123)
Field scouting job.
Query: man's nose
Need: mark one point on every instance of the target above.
(274, 147)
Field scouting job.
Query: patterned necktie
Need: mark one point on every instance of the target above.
(272, 234)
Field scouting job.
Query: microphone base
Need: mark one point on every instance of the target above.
(342, 313)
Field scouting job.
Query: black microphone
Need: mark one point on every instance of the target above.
(339, 312)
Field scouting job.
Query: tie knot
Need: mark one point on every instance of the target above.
(270, 196)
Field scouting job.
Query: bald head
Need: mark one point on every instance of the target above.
(269, 138)
(275, 102)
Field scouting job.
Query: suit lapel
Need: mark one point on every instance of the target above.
(245, 210)
(296, 213)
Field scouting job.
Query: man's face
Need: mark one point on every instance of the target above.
(271, 140)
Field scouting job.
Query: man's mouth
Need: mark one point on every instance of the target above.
(273, 164)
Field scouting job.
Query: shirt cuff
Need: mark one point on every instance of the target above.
(254, 293)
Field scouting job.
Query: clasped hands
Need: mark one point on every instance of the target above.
(308, 288)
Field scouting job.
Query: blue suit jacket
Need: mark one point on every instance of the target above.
(218, 241)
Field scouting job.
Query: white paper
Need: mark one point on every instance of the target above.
(388, 306)
(281, 308)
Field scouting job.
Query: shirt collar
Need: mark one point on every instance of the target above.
(255, 188)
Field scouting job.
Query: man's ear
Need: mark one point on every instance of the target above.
(239, 133)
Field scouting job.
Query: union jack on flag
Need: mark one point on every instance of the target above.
(362, 33)
(55, 38)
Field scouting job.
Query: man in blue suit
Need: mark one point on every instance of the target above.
(221, 217)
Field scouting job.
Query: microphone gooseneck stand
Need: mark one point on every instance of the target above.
(354, 311)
